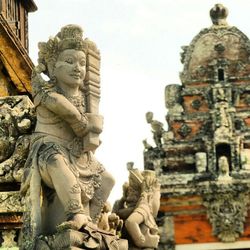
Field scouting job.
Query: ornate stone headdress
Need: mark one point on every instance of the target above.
(150, 182)
(145, 181)
(70, 37)
(135, 179)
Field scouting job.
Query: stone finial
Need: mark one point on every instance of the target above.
(219, 14)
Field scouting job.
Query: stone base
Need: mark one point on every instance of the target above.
(87, 239)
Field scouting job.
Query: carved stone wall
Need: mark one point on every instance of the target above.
(16, 123)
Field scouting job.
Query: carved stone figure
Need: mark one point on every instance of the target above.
(227, 211)
(138, 207)
(61, 161)
(223, 169)
(245, 158)
(201, 162)
(157, 128)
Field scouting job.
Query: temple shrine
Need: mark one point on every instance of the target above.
(203, 160)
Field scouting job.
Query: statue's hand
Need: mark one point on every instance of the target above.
(151, 240)
(139, 240)
(95, 123)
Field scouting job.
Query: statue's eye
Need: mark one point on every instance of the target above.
(69, 60)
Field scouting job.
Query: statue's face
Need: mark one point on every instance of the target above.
(70, 68)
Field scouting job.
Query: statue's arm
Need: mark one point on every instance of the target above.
(59, 105)
(124, 212)
(132, 224)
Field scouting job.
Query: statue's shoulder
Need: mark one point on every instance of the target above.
(41, 92)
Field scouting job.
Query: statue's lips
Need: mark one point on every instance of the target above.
(76, 76)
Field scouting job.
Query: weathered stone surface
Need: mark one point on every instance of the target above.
(17, 121)
(11, 202)
(205, 152)
(227, 212)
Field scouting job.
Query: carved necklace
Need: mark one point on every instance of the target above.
(78, 101)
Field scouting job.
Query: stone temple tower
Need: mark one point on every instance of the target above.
(203, 160)
(16, 113)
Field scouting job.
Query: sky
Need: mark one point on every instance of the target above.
(140, 43)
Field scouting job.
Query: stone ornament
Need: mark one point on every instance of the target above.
(173, 99)
(227, 213)
(8, 237)
(202, 58)
(16, 123)
(138, 208)
(219, 14)
(11, 202)
(61, 166)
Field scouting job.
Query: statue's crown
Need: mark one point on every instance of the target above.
(71, 31)
(135, 178)
(69, 37)
(143, 180)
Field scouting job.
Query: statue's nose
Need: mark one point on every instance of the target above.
(77, 67)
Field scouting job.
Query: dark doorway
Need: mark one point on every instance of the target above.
(221, 76)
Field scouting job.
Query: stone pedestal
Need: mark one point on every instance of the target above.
(88, 238)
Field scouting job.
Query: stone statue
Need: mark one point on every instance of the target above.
(245, 158)
(201, 162)
(61, 165)
(223, 169)
(157, 129)
(138, 208)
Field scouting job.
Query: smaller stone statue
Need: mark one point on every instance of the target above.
(223, 169)
(223, 121)
(201, 162)
(139, 207)
(104, 221)
(157, 128)
(245, 158)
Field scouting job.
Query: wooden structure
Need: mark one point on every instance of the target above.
(15, 63)
(203, 160)
(15, 116)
